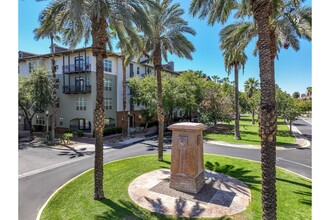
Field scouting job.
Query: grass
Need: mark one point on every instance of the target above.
(249, 133)
(75, 200)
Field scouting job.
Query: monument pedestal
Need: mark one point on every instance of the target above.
(187, 162)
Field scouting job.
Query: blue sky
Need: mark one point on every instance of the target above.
(293, 69)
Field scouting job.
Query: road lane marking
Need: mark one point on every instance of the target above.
(50, 167)
(290, 161)
(306, 121)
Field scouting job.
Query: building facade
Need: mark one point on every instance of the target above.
(76, 77)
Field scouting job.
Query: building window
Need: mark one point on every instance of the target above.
(31, 67)
(40, 120)
(109, 122)
(107, 84)
(138, 70)
(81, 104)
(107, 65)
(107, 103)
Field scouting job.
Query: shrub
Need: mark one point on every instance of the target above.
(80, 133)
(47, 135)
(66, 138)
(113, 130)
(68, 131)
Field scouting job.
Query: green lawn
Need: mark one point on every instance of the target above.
(249, 133)
(75, 200)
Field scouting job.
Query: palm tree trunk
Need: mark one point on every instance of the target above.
(268, 119)
(54, 96)
(237, 134)
(124, 124)
(100, 39)
(253, 117)
(160, 109)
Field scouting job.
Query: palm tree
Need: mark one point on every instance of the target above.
(250, 87)
(262, 12)
(215, 78)
(130, 44)
(235, 59)
(48, 29)
(288, 22)
(82, 19)
(168, 28)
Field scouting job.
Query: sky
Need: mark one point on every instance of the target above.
(293, 70)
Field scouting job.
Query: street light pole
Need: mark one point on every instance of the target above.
(128, 119)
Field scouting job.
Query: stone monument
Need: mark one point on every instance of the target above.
(187, 163)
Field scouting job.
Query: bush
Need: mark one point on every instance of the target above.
(68, 131)
(66, 138)
(113, 130)
(47, 135)
(80, 133)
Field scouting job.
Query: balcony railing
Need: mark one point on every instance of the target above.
(77, 89)
(73, 68)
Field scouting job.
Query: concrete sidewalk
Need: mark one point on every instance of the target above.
(86, 144)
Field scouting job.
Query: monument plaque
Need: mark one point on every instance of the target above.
(187, 163)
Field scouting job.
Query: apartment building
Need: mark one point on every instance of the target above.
(75, 73)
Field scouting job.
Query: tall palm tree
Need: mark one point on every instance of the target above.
(131, 46)
(236, 59)
(263, 11)
(48, 29)
(287, 22)
(250, 87)
(90, 19)
(167, 27)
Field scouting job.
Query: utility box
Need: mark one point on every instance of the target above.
(187, 161)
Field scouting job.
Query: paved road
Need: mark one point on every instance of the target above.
(36, 187)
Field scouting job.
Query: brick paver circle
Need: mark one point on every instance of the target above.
(221, 196)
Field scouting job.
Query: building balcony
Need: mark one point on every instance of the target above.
(77, 89)
(76, 68)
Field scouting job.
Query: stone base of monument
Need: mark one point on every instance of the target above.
(220, 196)
(187, 184)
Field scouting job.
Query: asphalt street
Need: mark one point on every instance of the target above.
(36, 185)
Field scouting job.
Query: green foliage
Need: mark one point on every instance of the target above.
(47, 135)
(296, 95)
(113, 130)
(66, 138)
(80, 133)
(215, 107)
(34, 93)
(68, 131)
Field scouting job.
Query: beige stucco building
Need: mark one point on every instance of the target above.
(75, 73)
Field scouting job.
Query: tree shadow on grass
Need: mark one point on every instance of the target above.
(307, 200)
(239, 173)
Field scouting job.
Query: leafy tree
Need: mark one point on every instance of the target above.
(144, 92)
(190, 91)
(291, 113)
(87, 20)
(167, 35)
(214, 106)
(34, 94)
(296, 95)
(170, 95)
